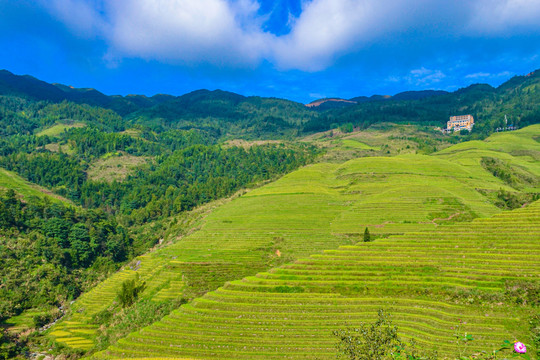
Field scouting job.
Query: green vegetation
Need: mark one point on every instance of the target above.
(227, 115)
(517, 99)
(52, 252)
(98, 181)
(376, 341)
(58, 129)
(163, 174)
(9, 348)
(380, 140)
(367, 235)
(130, 290)
(380, 340)
(430, 281)
(318, 207)
(114, 167)
(11, 181)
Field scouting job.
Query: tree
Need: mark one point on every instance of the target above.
(79, 241)
(9, 347)
(367, 235)
(130, 291)
(375, 341)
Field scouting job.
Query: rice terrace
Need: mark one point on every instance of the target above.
(270, 180)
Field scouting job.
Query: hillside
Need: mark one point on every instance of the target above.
(221, 113)
(225, 114)
(318, 207)
(470, 274)
(228, 115)
(518, 98)
(11, 181)
(102, 180)
(335, 103)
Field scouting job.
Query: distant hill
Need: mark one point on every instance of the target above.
(335, 103)
(30, 88)
(518, 99)
(330, 103)
(221, 113)
(417, 95)
(226, 114)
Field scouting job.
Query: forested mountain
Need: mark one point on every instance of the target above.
(333, 103)
(518, 98)
(218, 112)
(228, 115)
(31, 88)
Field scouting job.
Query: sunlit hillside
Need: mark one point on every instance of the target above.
(470, 275)
(316, 208)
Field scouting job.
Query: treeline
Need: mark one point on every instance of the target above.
(50, 252)
(174, 183)
(517, 102)
(20, 116)
(227, 115)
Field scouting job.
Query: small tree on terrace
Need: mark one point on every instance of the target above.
(367, 235)
(130, 291)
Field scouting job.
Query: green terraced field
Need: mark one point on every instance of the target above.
(10, 180)
(519, 148)
(290, 311)
(322, 206)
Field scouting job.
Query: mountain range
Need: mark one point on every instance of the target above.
(236, 115)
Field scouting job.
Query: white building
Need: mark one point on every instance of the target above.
(461, 122)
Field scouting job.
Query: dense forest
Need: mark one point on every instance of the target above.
(51, 252)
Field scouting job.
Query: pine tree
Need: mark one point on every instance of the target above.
(367, 235)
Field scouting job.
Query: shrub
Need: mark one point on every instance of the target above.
(130, 291)
(523, 292)
(374, 341)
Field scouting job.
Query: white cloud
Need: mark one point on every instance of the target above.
(484, 75)
(504, 17)
(80, 15)
(188, 31)
(324, 29)
(230, 32)
(478, 75)
(425, 77)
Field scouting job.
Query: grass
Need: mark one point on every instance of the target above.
(416, 276)
(416, 206)
(23, 322)
(379, 140)
(355, 144)
(65, 148)
(248, 144)
(57, 129)
(10, 180)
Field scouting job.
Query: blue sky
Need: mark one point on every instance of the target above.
(295, 49)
